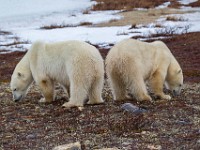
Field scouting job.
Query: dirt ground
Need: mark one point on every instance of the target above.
(173, 124)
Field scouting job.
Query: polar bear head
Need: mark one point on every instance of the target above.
(174, 80)
(20, 81)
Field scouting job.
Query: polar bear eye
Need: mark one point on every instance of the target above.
(15, 89)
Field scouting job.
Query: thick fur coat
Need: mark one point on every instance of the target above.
(76, 65)
(132, 63)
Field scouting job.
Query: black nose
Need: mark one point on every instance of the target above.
(16, 100)
(175, 93)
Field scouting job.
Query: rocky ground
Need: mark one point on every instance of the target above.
(173, 124)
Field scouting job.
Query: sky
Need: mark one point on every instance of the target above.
(24, 19)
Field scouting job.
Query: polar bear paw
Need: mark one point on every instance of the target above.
(70, 105)
(91, 102)
(163, 96)
(166, 97)
(144, 98)
(43, 100)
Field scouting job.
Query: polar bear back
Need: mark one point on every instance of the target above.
(58, 60)
(142, 50)
(145, 56)
(66, 49)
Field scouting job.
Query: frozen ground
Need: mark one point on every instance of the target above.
(24, 20)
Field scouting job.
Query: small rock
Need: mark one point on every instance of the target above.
(31, 136)
(132, 108)
(71, 146)
(37, 109)
(144, 132)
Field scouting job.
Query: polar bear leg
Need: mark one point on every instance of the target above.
(47, 87)
(77, 94)
(156, 83)
(138, 88)
(95, 91)
(118, 86)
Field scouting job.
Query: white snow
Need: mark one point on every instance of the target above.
(20, 9)
(164, 5)
(186, 2)
(24, 19)
(94, 35)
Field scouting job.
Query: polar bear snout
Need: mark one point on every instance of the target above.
(17, 96)
(176, 92)
(16, 99)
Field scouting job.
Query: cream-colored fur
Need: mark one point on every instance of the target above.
(74, 64)
(130, 63)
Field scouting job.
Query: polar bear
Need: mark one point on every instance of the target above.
(76, 65)
(132, 63)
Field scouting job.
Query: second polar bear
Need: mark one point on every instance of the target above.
(76, 65)
(130, 63)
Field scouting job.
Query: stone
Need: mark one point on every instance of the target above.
(132, 108)
(71, 146)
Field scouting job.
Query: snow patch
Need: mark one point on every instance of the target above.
(164, 5)
(186, 2)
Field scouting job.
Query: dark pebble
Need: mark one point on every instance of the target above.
(132, 108)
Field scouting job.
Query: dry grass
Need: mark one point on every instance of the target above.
(57, 26)
(125, 4)
(4, 32)
(157, 25)
(169, 31)
(85, 24)
(174, 18)
(195, 4)
(15, 43)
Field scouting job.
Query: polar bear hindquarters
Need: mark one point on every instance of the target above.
(86, 78)
(123, 73)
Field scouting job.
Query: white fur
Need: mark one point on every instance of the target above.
(76, 65)
(130, 63)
